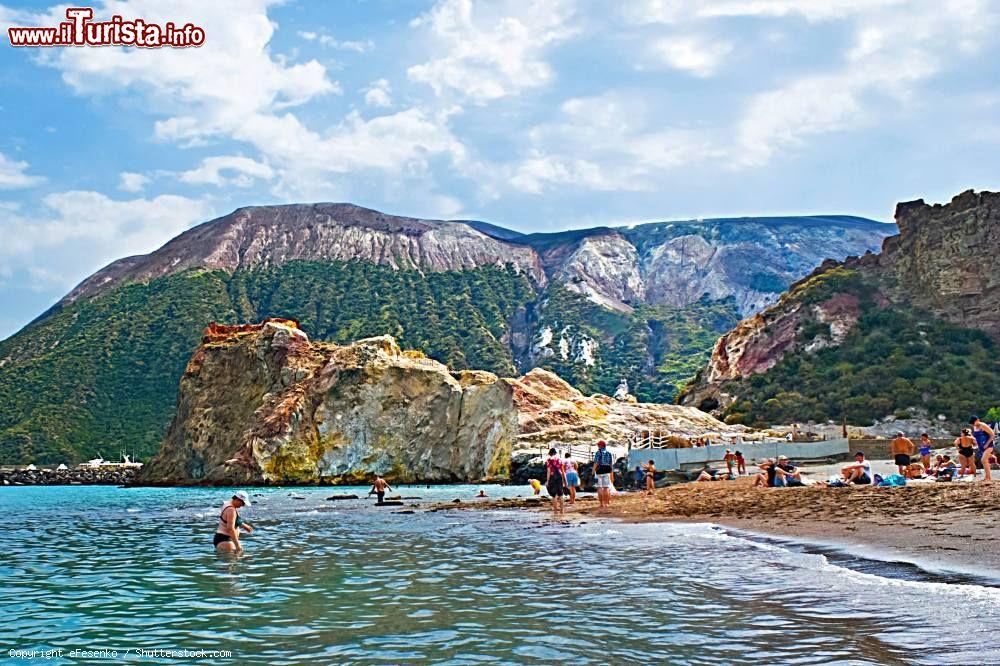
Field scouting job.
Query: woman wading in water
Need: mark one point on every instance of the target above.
(227, 534)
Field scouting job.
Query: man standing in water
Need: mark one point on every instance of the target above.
(902, 448)
(379, 487)
(227, 534)
(604, 473)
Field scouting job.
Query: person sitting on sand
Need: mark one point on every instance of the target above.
(925, 450)
(379, 486)
(741, 464)
(227, 534)
(650, 477)
(572, 477)
(859, 472)
(639, 477)
(966, 444)
(768, 475)
(789, 473)
(915, 471)
(901, 448)
(945, 468)
(984, 437)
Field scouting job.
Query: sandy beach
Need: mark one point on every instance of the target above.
(945, 525)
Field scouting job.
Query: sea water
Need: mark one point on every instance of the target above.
(132, 571)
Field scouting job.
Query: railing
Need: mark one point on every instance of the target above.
(649, 439)
(577, 453)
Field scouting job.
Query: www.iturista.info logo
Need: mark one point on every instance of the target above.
(81, 30)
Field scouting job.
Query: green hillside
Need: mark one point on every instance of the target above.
(656, 348)
(896, 358)
(102, 374)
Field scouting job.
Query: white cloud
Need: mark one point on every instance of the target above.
(81, 231)
(890, 57)
(609, 142)
(699, 56)
(359, 46)
(243, 169)
(379, 94)
(645, 12)
(492, 51)
(204, 91)
(13, 176)
(129, 181)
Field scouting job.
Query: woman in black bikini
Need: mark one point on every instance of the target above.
(227, 535)
(966, 444)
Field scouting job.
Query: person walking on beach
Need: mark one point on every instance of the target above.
(379, 486)
(650, 477)
(555, 480)
(730, 460)
(902, 448)
(984, 437)
(925, 450)
(604, 473)
(741, 464)
(227, 534)
(572, 477)
(966, 445)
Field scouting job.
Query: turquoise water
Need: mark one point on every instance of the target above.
(92, 568)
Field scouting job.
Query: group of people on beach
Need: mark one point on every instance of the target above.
(562, 477)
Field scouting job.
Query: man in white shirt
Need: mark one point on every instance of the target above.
(858, 472)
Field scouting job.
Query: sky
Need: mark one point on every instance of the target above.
(538, 116)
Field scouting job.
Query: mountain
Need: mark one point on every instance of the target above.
(99, 370)
(261, 403)
(911, 331)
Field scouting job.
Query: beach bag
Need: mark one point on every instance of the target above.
(878, 480)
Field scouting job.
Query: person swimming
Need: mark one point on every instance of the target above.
(227, 534)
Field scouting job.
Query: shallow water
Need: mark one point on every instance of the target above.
(95, 568)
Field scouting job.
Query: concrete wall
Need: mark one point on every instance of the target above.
(696, 457)
(878, 449)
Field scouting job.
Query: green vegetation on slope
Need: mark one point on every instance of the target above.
(102, 374)
(656, 348)
(895, 359)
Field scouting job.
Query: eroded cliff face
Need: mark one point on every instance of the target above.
(262, 404)
(939, 264)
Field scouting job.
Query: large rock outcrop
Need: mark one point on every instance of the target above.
(938, 265)
(263, 404)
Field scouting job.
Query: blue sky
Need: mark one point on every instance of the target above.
(534, 115)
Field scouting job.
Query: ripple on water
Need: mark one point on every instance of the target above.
(361, 586)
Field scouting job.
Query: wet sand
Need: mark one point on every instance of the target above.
(945, 525)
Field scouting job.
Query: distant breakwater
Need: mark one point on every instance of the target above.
(80, 476)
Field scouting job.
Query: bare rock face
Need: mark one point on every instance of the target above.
(939, 263)
(605, 269)
(262, 404)
(259, 236)
(942, 260)
(551, 412)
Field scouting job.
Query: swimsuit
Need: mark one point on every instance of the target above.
(925, 450)
(219, 536)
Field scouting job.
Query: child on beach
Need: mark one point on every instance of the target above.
(925, 450)
(572, 477)
(741, 464)
(730, 460)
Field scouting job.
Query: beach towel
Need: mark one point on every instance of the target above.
(892, 481)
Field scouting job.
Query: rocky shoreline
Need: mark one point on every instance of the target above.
(80, 476)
